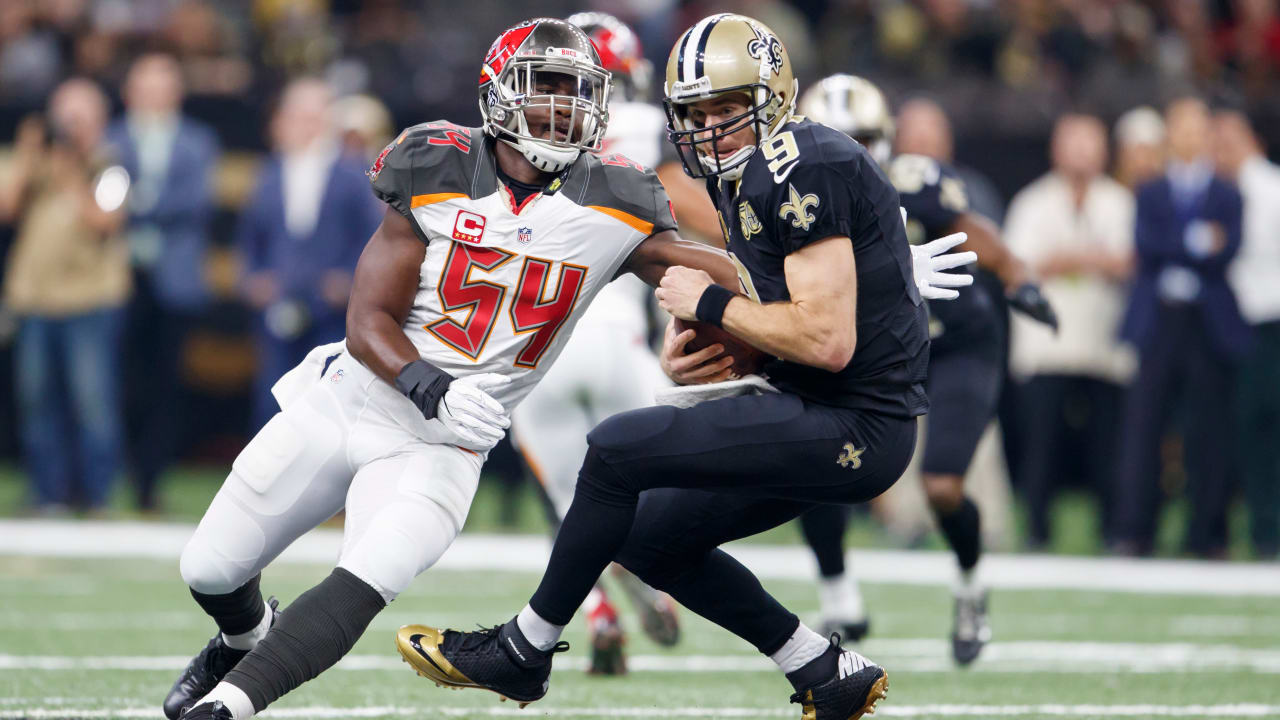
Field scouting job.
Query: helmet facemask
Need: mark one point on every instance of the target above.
(566, 90)
(699, 146)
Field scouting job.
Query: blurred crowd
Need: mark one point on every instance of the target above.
(148, 311)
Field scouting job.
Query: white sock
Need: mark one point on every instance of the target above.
(840, 598)
(800, 650)
(237, 702)
(540, 633)
(249, 640)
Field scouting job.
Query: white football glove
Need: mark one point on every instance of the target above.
(929, 260)
(471, 415)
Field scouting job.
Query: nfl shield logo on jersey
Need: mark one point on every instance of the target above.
(524, 235)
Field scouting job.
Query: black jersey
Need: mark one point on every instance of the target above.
(934, 197)
(807, 183)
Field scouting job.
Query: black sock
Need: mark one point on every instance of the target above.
(594, 530)
(823, 528)
(310, 636)
(237, 612)
(963, 529)
(816, 671)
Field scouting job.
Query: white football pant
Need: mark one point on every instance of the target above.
(345, 440)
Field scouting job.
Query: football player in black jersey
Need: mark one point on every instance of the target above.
(965, 367)
(814, 228)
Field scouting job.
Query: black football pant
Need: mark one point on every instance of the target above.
(661, 488)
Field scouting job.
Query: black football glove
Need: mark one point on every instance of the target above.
(1028, 300)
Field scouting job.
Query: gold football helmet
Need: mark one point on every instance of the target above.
(855, 107)
(723, 54)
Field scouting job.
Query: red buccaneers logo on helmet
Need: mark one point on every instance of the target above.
(502, 49)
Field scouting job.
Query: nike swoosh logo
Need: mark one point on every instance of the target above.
(777, 179)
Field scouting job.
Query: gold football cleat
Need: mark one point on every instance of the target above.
(419, 645)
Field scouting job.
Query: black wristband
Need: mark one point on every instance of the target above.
(424, 384)
(712, 304)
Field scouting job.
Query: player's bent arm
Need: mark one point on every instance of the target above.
(993, 255)
(651, 258)
(692, 206)
(818, 326)
(382, 292)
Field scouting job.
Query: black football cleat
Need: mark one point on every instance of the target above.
(971, 631)
(205, 671)
(207, 711)
(498, 659)
(854, 691)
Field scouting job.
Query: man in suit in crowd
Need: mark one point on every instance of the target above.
(300, 237)
(171, 159)
(1183, 320)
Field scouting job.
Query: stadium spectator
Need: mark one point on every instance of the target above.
(1255, 277)
(1074, 227)
(300, 237)
(1183, 320)
(67, 278)
(364, 127)
(170, 158)
(1139, 146)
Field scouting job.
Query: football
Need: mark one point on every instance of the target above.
(746, 359)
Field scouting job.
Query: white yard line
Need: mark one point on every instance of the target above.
(910, 655)
(528, 553)
(887, 710)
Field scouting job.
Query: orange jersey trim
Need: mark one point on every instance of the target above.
(626, 217)
(433, 198)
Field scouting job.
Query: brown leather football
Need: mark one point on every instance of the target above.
(746, 359)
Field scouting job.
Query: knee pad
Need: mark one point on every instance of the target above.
(600, 481)
(402, 540)
(225, 551)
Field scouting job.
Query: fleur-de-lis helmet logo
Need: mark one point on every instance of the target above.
(766, 48)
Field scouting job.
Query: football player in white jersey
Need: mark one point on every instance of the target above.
(494, 242)
(607, 366)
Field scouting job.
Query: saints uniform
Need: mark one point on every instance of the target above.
(501, 288)
(729, 468)
(809, 183)
(964, 364)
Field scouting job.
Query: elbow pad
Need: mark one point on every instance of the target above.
(424, 384)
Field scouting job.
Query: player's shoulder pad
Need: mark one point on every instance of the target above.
(427, 159)
(622, 188)
(804, 152)
(921, 175)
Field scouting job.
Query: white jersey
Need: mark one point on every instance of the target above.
(502, 285)
(637, 131)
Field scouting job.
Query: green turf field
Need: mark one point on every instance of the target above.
(105, 638)
(186, 493)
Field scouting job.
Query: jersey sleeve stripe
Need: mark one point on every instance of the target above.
(626, 217)
(433, 198)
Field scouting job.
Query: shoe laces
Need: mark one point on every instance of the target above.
(478, 638)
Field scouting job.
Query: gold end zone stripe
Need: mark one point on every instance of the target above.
(433, 198)
(628, 218)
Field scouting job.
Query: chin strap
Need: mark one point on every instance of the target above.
(542, 157)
